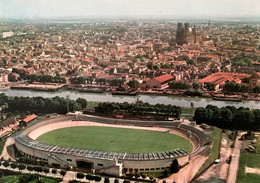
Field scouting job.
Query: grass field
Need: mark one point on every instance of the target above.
(258, 145)
(92, 104)
(15, 179)
(250, 160)
(2, 144)
(214, 150)
(115, 139)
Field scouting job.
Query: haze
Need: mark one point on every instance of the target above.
(128, 8)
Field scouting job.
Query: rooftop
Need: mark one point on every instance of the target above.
(29, 118)
(163, 78)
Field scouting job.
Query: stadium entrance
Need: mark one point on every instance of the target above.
(85, 166)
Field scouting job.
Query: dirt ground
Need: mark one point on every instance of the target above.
(234, 165)
(5, 154)
(253, 170)
(186, 174)
(220, 170)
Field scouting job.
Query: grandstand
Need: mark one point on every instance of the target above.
(111, 163)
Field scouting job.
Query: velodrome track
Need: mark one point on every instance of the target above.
(33, 134)
(28, 136)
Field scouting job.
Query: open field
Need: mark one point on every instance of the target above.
(250, 160)
(115, 139)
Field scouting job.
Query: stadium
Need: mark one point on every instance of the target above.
(109, 146)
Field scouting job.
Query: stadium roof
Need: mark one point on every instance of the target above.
(28, 142)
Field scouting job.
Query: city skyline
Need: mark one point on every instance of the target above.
(125, 8)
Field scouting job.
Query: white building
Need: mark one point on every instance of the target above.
(3, 78)
(7, 34)
(56, 38)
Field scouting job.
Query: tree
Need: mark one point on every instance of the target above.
(30, 168)
(216, 118)
(226, 117)
(1, 174)
(133, 84)
(151, 177)
(210, 86)
(175, 167)
(256, 89)
(236, 87)
(190, 62)
(80, 175)
(97, 178)
(116, 180)
(78, 80)
(21, 167)
(46, 170)
(150, 65)
(6, 164)
(242, 60)
(82, 102)
(137, 175)
(203, 115)
(166, 172)
(126, 181)
(106, 180)
(256, 113)
(54, 171)
(63, 173)
(144, 175)
(14, 165)
(131, 175)
(90, 176)
(155, 67)
(179, 85)
(168, 66)
(196, 86)
(37, 169)
(243, 119)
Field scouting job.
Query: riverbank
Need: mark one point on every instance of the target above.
(87, 88)
(182, 101)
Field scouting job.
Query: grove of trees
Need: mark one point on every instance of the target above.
(256, 89)
(236, 87)
(133, 84)
(45, 78)
(228, 117)
(41, 105)
(179, 85)
(139, 109)
(242, 60)
(78, 80)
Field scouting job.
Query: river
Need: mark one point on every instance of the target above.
(152, 99)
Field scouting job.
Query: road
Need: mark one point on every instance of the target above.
(234, 165)
(218, 171)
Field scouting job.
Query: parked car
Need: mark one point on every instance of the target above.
(217, 161)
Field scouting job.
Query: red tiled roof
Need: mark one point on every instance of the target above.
(220, 77)
(163, 78)
(29, 118)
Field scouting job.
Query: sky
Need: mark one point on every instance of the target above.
(129, 8)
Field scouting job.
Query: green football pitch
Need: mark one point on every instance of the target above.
(115, 139)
